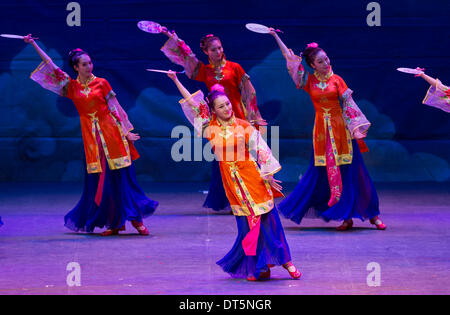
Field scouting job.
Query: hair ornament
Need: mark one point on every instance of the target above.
(218, 87)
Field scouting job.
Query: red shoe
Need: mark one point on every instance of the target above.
(140, 227)
(378, 223)
(262, 276)
(110, 232)
(293, 271)
(345, 226)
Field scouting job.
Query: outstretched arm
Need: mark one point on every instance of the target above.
(294, 63)
(287, 53)
(29, 40)
(438, 95)
(48, 75)
(184, 92)
(181, 54)
(194, 106)
(434, 82)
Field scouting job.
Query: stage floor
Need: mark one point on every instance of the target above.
(186, 240)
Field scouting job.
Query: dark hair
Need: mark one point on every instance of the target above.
(216, 91)
(74, 57)
(310, 54)
(207, 40)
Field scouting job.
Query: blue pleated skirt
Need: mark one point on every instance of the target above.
(310, 197)
(216, 198)
(272, 248)
(122, 200)
(1, 223)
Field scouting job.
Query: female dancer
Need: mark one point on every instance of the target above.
(337, 185)
(438, 95)
(260, 243)
(111, 194)
(231, 76)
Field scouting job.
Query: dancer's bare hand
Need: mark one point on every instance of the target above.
(172, 75)
(133, 136)
(28, 39)
(359, 135)
(272, 31)
(259, 122)
(274, 182)
(165, 31)
(420, 74)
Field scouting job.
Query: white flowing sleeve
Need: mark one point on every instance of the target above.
(438, 96)
(296, 70)
(181, 54)
(51, 77)
(119, 113)
(196, 111)
(261, 152)
(354, 118)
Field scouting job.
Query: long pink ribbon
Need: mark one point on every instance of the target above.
(250, 242)
(334, 174)
(101, 181)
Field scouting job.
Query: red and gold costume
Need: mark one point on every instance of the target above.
(103, 121)
(335, 124)
(239, 148)
(233, 145)
(229, 74)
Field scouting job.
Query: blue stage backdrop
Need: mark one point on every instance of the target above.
(40, 137)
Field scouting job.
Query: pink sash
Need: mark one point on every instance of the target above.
(101, 181)
(250, 242)
(334, 175)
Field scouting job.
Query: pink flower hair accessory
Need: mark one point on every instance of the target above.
(312, 45)
(218, 87)
(210, 35)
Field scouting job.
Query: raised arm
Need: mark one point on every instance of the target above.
(179, 53)
(287, 53)
(194, 106)
(48, 75)
(184, 92)
(438, 95)
(29, 40)
(434, 82)
(294, 63)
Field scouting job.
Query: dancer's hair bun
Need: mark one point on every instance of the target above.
(74, 57)
(310, 53)
(206, 40)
